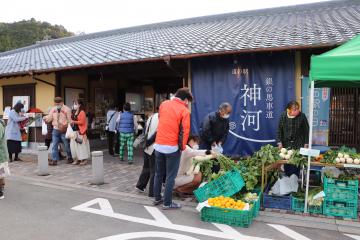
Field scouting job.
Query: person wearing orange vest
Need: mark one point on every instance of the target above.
(171, 139)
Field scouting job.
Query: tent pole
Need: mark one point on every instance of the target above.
(311, 117)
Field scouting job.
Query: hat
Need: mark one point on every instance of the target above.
(58, 99)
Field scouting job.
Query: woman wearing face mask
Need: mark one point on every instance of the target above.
(293, 131)
(12, 131)
(186, 184)
(80, 148)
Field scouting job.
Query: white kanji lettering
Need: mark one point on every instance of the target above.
(251, 118)
(269, 81)
(254, 94)
(269, 105)
(269, 97)
(269, 114)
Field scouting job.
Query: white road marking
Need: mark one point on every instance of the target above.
(288, 232)
(356, 237)
(86, 207)
(142, 235)
(228, 229)
(158, 216)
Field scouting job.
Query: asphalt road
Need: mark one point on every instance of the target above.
(40, 211)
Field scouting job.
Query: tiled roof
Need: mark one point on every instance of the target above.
(318, 24)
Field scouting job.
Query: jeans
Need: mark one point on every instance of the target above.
(166, 164)
(147, 174)
(58, 137)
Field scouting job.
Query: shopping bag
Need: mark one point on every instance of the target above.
(140, 139)
(69, 132)
(44, 128)
(4, 170)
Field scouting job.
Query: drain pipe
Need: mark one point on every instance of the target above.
(167, 60)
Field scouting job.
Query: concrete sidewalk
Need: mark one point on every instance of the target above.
(119, 176)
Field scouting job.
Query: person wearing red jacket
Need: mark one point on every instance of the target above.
(171, 138)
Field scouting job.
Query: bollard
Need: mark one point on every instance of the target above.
(43, 164)
(97, 164)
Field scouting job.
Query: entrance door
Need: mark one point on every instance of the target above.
(344, 117)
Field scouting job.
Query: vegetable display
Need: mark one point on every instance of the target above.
(251, 167)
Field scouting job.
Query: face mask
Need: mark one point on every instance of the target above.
(195, 147)
(58, 107)
(226, 116)
(76, 107)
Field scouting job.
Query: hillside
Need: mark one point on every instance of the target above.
(27, 32)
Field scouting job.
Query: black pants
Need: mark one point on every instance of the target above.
(111, 136)
(147, 174)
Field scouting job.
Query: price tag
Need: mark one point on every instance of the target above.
(310, 152)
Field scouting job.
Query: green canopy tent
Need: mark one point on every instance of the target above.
(339, 67)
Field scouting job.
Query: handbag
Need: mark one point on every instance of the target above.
(4, 170)
(78, 139)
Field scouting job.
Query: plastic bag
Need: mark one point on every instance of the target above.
(140, 139)
(4, 170)
(217, 148)
(69, 133)
(285, 185)
(44, 128)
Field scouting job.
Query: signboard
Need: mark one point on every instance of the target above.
(25, 100)
(321, 111)
(257, 86)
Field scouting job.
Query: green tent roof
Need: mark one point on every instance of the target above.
(339, 67)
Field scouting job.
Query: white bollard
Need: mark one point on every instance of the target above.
(43, 164)
(97, 164)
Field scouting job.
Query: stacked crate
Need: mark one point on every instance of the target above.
(341, 197)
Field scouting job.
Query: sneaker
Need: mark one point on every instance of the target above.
(52, 163)
(158, 202)
(70, 161)
(172, 206)
(130, 162)
(2, 195)
(140, 190)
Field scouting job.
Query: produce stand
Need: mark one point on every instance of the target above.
(278, 163)
(336, 68)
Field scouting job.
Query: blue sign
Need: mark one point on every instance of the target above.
(321, 111)
(258, 87)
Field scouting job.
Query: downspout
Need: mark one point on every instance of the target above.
(167, 60)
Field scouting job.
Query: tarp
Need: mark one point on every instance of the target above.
(339, 67)
(257, 86)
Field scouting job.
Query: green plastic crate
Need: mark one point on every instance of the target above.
(341, 209)
(232, 217)
(341, 184)
(339, 194)
(257, 203)
(227, 185)
(298, 205)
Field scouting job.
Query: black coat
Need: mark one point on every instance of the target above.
(214, 128)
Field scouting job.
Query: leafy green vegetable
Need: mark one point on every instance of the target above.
(297, 159)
